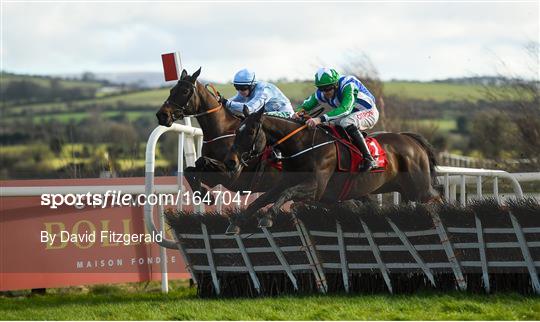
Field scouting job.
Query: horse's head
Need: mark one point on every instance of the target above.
(249, 142)
(181, 100)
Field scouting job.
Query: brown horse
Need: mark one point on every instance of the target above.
(191, 98)
(312, 176)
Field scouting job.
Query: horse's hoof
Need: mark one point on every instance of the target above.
(232, 230)
(266, 222)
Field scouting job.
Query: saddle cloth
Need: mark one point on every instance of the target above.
(349, 157)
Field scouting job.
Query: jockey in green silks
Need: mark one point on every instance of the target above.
(353, 108)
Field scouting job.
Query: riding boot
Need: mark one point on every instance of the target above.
(368, 162)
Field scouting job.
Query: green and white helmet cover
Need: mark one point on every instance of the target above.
(326, 76)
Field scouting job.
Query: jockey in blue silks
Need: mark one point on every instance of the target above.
(255, 94)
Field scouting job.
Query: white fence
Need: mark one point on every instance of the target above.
(472, 181)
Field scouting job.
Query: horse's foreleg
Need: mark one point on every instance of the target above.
(192, 177)
(266, 198)
(303, 191)
(208, 171)
(253, 207)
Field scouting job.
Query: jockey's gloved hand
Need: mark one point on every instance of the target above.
(219, 96)
(223, 101)
(298, 115)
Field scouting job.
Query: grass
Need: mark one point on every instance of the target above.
(133, 302)
(435, 91)
(78, 116)
(443, 125)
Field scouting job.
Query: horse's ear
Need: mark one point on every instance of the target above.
(184, 74)
(195, 75)
(260, 112)
(245, 110)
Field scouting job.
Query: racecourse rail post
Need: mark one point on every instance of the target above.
(163, 255)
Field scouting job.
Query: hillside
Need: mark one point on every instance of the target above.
(146, 102)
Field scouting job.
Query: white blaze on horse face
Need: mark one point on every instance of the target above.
(242, 128)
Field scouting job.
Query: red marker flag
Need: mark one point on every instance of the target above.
(171, 66)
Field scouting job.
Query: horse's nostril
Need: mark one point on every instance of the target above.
(161, 120)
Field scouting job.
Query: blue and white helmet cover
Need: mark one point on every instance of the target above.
(245, 77)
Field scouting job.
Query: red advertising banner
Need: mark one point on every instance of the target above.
(29, 258)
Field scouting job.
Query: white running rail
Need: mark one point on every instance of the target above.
(452, 177)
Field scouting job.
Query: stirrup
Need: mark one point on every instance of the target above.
(368, 165)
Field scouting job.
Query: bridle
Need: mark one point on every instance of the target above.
(246, 157)
(179, 109)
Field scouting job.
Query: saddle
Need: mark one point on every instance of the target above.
(349, 157)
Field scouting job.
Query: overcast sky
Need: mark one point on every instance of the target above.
(413, 40)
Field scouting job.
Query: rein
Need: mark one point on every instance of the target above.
(212, 110)
(288, 136)
(313, 147)
(219, 138)
(307, 150)
(253, 154)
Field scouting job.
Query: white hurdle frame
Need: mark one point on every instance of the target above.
(149, 186)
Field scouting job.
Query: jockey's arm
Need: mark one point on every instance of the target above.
(232, 103)
(309, 104)
(346, 106)
(257, 101)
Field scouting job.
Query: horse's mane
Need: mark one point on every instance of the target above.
(227, 111)
(298, 122)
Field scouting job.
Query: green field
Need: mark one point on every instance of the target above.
(133, 302)
(435, 91)
(45, 81)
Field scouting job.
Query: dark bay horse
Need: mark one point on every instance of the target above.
(191, 98)
(312, 176)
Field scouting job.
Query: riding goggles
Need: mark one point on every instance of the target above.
(326, 88)
(242, 87)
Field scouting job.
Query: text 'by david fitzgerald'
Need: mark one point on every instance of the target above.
(103, 236)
